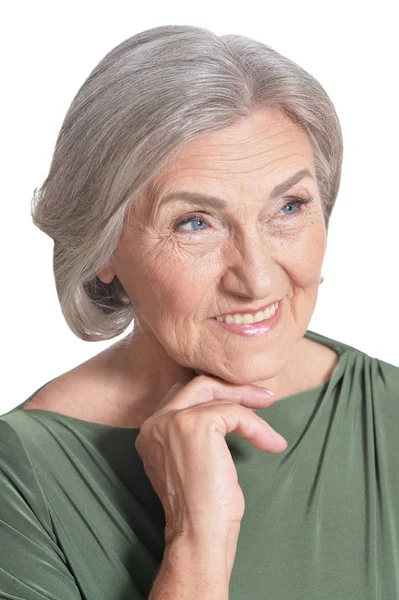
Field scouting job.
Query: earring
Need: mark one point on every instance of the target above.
(322, 279)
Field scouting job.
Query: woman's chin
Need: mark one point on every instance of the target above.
(244, 380)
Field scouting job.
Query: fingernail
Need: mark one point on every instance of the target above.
(267, 391)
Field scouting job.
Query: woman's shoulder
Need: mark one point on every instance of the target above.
(51, 396)
(19, 485)
(386, 375)
(33, 560)
(26, 428)
(86, 392)
(355, 350)
(364, 370)
(378, 368)
(374, 374)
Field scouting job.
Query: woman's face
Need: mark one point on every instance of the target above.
(250, 252)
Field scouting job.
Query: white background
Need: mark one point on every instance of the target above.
(48, 51)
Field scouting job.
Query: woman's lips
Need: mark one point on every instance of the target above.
(251, 312)
(251, 329)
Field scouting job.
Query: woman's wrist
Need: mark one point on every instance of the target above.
(210, 554)
(192, 570)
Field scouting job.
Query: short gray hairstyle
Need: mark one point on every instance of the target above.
(151, 94)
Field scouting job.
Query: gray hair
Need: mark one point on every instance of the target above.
(152, 93)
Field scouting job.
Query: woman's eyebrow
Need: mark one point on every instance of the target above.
(213, 201)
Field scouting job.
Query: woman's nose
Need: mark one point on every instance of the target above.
(250, 265)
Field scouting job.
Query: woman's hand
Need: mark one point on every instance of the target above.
(186, 457)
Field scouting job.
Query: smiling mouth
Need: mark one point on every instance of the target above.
(249, 318)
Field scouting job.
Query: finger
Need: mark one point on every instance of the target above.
(224, 418)
(169, 395)
(204, 389)
(248, 425)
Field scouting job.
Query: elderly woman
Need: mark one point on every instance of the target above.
(190, 190)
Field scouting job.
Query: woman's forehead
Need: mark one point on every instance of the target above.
(266, 166)
(264, 152)
(235, 145)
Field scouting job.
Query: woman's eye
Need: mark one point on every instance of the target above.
(299, 203)
(198, 221)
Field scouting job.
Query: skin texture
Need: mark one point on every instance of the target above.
(247, 255)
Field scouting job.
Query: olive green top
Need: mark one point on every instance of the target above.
(79, 517)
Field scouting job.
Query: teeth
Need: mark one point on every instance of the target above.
(247, 318)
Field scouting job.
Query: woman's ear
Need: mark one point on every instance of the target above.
(106, 275)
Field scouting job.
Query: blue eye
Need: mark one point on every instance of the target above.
(299, 203)
(194, 218)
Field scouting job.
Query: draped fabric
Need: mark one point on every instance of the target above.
(79, 517)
